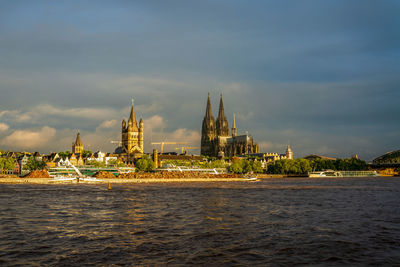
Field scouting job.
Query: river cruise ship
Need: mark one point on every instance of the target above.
(332, 173)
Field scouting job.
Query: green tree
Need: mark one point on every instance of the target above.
(144, 164)
(86, 153)
(236, 166)
(247, 166)
(257, 167)
(216, 164)
(296, 166)
(7, 164)
(34, 164)
(95, 163)
(304, 166)
(64, 154)
(116, 163)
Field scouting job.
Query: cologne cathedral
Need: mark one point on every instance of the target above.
(215, 138)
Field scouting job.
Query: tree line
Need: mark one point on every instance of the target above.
(303, 166)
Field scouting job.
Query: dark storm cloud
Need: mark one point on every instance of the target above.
(324, 71)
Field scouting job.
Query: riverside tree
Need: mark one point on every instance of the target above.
(7, 164)
(34, 164)
(245, 166)
(144, 164)
(116, 163)
(288, 166)
(95, 163)
(303, 166)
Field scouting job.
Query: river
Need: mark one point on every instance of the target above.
(298, 221)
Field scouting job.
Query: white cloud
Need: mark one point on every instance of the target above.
(15, 115)
(153, 123)
(3, 127)
(87, 113)
(30, 139)
(108, 124)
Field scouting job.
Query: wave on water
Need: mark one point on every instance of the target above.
(273, 222)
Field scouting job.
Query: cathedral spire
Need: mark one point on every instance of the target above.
(222, 122)
(234, 130)
(208, 109)
(221, 113)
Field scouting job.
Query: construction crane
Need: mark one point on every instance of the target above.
(183, 148)
(167, 143)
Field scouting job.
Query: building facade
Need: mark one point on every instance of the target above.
(215, 138)
(131, 138)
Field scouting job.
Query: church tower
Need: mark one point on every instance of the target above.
(132, 136)
(289, 153)
(208, 131)
(77, 147)
(234, 130)
(222, 122)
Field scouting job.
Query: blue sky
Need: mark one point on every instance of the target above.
(320, 75)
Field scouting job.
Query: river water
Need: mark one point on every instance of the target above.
(317, 222)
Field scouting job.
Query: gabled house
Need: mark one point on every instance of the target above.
(76, 160)
(22, 161)
(80, 161)
(16, 169)
(72, 159)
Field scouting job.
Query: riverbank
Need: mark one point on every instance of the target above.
(115, 180)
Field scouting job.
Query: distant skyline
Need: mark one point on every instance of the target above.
(322, 76)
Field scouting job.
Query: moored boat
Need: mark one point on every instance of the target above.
(63, 178)
(333, 174)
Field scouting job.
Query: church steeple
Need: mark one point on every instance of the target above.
(234, 130)
(77, 147)
(132, 119)
(222, 122)
(78, 141)
(208, 109)
(289, 152)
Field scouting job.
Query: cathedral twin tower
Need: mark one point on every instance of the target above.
(215, 138)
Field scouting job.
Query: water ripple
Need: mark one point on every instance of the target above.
(318, 222)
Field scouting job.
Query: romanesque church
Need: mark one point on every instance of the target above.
(132, 138)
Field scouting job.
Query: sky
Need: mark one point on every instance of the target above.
(322, 76)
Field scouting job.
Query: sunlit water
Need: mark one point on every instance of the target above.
(322, 222)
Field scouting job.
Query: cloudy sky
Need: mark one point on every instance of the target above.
(320, 75)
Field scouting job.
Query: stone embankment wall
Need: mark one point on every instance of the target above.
(165, 175)
(8, 176)
(37, 174)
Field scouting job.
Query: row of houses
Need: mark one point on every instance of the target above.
(52, 160)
